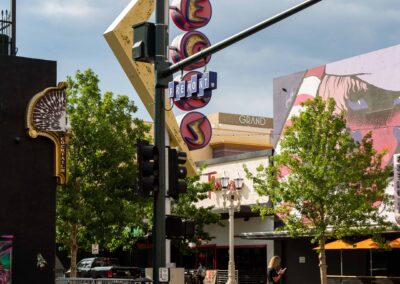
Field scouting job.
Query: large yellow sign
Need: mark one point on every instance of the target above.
(119, 36)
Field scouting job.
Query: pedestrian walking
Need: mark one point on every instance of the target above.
(201, 273)
(274, 272)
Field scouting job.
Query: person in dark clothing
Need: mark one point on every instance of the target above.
(274, 273)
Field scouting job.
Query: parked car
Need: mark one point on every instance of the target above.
(104, 267)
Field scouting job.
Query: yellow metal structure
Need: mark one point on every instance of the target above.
(119, 37)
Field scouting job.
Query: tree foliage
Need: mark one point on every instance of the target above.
(186, 207)
(98, 200)
(323, 183)
(100, 203)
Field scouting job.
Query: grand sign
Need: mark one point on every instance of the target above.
(246, 120)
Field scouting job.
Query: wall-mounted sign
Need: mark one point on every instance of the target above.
(196, 130)
(187, 44)
(194, 91)
(245, 120)
(163, 274)
(190, 14)
(47, 116)
(396, 185)
(95, 249)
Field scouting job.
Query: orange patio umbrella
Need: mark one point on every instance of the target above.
(366, 244)
(395, 243)
(338, 245)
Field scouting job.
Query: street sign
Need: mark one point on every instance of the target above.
(163, 274)
(95, 248)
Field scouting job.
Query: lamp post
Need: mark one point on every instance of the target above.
(231, 193)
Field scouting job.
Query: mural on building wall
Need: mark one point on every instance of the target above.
(366, 86)
(6, 247)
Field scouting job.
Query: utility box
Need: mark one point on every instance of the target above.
(177, 275)
(144, 42)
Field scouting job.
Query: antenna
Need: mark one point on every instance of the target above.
(14, 27)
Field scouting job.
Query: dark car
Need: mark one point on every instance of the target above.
(104, 267)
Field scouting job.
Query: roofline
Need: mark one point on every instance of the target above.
(238, 157)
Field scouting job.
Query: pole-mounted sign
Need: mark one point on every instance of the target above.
(194, 89)
(196, 130)
(190, 15)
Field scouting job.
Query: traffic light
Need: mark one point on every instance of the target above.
(147, 164)
(188, 229)
(176, 173)
(176, 228)
(173, 227)
(144, 42)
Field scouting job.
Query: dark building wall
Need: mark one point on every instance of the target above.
(27, 182)
(290, 250)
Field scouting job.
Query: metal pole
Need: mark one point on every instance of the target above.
(239, 36)
(161, 43)
(231, 265)
(14, 27)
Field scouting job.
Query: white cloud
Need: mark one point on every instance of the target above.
(89, 10)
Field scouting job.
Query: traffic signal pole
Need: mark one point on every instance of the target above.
(160, 63)
(163, 72)
(239, 36)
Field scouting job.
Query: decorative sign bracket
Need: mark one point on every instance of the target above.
(46, 116)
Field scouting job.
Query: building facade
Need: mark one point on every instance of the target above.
(237, 140)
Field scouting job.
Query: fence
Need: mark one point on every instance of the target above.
(102, 281)
(222, 276)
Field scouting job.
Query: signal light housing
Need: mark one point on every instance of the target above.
(177, 173)
(147, 165)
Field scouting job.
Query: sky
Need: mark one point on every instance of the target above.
(71, 33)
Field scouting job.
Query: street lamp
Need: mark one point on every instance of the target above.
(231, 193)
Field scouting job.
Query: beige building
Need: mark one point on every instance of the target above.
(234, 134)
(237, 140)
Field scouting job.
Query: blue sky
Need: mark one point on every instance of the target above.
(71, 32)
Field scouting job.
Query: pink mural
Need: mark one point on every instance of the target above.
(366, 86)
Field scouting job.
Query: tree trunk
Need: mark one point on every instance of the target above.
(322, 262)
(74, 249)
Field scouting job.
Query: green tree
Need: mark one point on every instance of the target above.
(333, 181)
(98, 201)
(186, 207)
